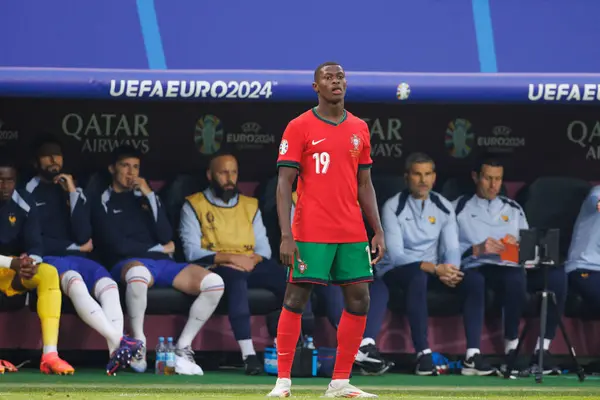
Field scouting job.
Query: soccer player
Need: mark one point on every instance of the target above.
(368, 358)
(135, 235)
(219, 226)
(66, 230)
(488, 223)
(328, 149)
(422, 238)
(21, 266)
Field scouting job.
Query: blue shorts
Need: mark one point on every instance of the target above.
(90, 270)
(163, 271)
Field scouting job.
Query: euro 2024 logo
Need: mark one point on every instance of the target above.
(459, 141)
(208, 134)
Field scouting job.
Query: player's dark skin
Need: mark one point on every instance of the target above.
(24, 266)
(331, 89)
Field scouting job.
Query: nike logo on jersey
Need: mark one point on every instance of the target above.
(316, 142)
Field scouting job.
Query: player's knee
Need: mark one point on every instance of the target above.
(71, 281)
(138, 279)
(46, 273)
(296, 298)
(212, 288)
(127, 267)
(358, 303)
(104, 285)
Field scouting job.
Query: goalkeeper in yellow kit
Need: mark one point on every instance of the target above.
(21, 268)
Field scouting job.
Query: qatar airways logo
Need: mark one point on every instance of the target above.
(564, 91)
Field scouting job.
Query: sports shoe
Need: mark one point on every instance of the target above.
(138, 362)
(425, 366)
(120, 358)
(53, 364)
(343, 388)
(185, 364)
(283, 388)
(477, 366)
(549, 368)
(136, 347)
(252, 365)
(370, 361)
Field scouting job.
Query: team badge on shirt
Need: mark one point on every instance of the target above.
(431, 220)
(302, 267)
(504, 218)
(355, 141)
(12, 219)
(283, 147)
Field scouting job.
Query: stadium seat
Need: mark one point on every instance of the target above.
(554, 202)
(12, 303)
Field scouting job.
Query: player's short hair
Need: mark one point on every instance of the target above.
(417, 158)
(43, 140)
(219, 154)
(123, 152)
(320, 67)
(487, 159)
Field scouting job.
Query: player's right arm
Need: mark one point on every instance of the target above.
(288, 166)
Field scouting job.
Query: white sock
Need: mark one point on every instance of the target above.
(336, 383)
(49, 349)
(107, 293)
(426, 351)
(471, 353)
(211, 291)
(510, 345)
(136, 297)
(367, 341)
(546, 344)
(247, 348)
(88, 309)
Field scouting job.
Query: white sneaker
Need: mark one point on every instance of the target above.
(139, 364)
(283, 388)
(185, 364)
(343, 388)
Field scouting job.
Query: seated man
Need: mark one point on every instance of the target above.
(21, 266)
(583, 261)
(66, 233)
(368, 359)
(487, 224)
(135, 235)
(222, 227)
(420, 229)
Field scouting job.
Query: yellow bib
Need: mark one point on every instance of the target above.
(226, 229)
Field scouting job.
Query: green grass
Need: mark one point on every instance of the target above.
(95, 385)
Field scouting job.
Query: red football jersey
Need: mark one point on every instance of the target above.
(328, 156)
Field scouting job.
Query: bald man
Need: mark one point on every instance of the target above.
(221, 227)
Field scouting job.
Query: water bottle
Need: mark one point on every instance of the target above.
(161, 357)
(309, 343)
(170, 357)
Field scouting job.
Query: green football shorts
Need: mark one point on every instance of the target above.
(338, 263)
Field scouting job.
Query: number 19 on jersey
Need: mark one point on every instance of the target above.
(322, 161)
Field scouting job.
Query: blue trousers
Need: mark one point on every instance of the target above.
(266, 275)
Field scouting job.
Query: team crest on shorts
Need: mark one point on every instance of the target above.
(302, 267)
(355, 141)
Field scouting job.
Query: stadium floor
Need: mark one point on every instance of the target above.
(92, 384)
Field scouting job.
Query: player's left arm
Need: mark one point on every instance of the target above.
(262, 247)
(366, 192)
(450, 245)
(162, 226)
(32, 235)
(81, 223)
